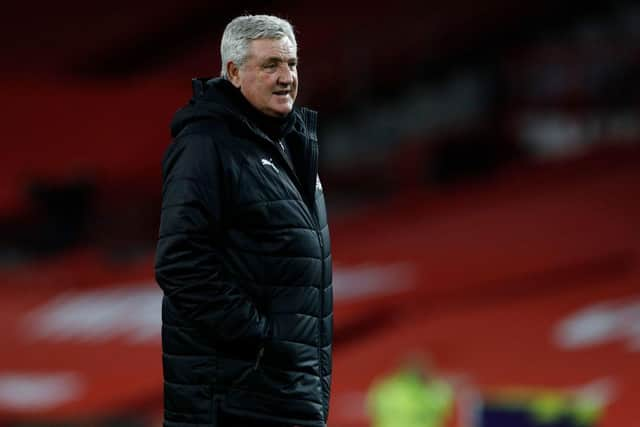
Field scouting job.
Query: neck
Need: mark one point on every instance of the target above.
(274, 127)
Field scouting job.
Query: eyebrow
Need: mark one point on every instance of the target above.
(278, 59)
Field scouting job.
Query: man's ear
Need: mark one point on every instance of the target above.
(233, 72)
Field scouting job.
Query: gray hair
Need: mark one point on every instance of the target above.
(242, 30)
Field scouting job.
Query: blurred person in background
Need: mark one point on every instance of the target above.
(412, 396)
(243, 255)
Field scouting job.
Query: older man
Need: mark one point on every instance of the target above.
(243, 255)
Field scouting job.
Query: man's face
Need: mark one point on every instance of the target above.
(269, 76)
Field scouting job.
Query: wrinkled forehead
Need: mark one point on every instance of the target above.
(281, 48)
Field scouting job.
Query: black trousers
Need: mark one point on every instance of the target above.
(228, 420)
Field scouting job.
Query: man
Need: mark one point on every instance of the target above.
(243, 254)
(411, 396)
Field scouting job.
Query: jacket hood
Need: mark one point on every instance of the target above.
(211, 97)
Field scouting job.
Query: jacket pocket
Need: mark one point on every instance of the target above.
(238, 381)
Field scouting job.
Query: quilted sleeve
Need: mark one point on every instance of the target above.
(188, 264)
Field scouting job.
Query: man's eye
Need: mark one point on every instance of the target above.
(270, 66)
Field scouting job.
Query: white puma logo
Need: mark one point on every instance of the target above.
(269, 162)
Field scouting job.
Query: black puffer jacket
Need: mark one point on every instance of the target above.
(243, 258)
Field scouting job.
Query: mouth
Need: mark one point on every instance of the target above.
(282, 92)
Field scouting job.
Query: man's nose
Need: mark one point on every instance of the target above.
(285, 77)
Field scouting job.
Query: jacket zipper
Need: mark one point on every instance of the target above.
(310, 123)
